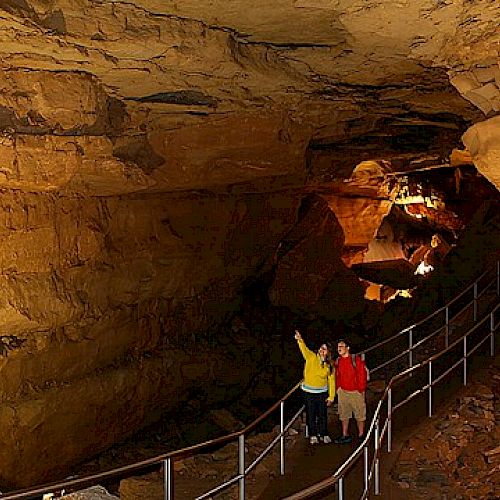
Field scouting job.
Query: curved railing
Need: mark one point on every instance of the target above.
(381, 424)
(370, 473)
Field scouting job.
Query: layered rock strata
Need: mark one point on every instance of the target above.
(93, 290)
(149, 158)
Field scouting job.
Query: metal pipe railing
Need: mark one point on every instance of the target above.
(167, 459)
(341, 472)
(167, 473)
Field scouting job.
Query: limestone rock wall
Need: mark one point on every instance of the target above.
(77, 419)
(483, 142)
(98, 296)
(199, 93)
(310, 274)
(150, 155)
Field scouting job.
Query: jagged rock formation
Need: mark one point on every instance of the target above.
(154, 154)
(309, 260)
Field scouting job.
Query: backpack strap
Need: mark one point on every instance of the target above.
(353, 361)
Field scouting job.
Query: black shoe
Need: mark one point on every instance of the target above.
(343, 440)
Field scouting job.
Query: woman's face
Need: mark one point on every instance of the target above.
(323, 351)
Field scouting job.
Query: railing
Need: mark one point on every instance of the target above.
(381, 423)
(167, 460)
(415, 343)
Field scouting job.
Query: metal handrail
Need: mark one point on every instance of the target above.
(422, 321)
(166, 458)
(356, 454)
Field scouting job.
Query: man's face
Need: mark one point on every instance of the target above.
(342, 349)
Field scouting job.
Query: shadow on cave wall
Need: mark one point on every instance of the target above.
(263, 333)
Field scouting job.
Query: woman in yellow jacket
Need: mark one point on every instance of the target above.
(319, 389)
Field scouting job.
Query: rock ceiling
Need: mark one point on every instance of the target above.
(124, 96)
(155, 155)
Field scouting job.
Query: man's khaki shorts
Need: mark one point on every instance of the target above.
(351, 402)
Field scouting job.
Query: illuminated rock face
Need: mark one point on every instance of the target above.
(483, 142)
(99, 299)
(310, 261)
(152, 157)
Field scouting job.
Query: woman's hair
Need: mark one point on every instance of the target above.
(328, 359)
(327, 344)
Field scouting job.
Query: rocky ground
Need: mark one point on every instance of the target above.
(453, 455)
(456, 454)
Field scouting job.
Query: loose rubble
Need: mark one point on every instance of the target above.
(93, 493)
(457, 454)
(196, 475)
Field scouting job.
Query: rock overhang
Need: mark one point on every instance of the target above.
(285, 75)
(153, 156)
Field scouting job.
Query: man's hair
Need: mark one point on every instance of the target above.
(346, 342)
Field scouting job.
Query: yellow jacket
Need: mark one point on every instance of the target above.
(318, 376)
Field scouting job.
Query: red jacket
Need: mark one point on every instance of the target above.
(349, 378)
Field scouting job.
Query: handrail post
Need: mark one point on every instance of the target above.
(447, 330)
(465, 360)
(498, 277)
(410, 347)
(306, 429)
(389, 420)
(241, 466)
(492, 335)
(365, 466)
(282, 438)
(475, 301)
(377, 465)
(430, 389)
(167, 479)
(341, 488)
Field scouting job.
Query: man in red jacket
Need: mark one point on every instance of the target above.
(351, 379)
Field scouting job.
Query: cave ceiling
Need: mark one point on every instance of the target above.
(113, 97)
(158, 156)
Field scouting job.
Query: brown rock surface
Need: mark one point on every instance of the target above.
(150, 154)
(115, 402)
(447, 457)
(115, 280)
(189, 82)
(310, 257)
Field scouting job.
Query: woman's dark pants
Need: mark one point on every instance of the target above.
(316, 414)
